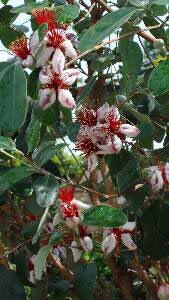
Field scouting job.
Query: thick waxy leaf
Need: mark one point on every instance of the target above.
(86, 274)
(138, 3)
(136, 198)
(40, 261)
(104, 216)
(162, 2)
(14, 175)
(46, 151)
(67, 13)
(13, 104)
(55, 238)
(10, 286)
(33, 84)
(33, 134)
(8, 35)
(4, 1)
(48, 116)
(128, 175)
(5, 15)
(103, 28)
(27, 7)
(73, 130)
(86, 89)
(159, 78)
(132, 58)
(156, 230)
(40, 227)
(46, 189)
(6, 143)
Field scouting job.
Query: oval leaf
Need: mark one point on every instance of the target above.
(13, 103)
(46, 151)
(103, 28)
(104, 216)
(6, 143)
(41, 260)
(159, 78)
(46, 189)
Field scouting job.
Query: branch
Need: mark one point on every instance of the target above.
(65, 273)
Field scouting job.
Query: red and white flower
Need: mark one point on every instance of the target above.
(163, 291)
(21, 49)
(158, 176)
(56, 81)
(70, 208)
(113, 237)
(102, 132)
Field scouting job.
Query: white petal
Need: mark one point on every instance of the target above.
(129, 226)
(157, 181)
(128, 242)
(55, 251)
(32, 277)
(102, 111)
(115, 112)
(46, 98)
(66, 99)
(121, 200)
(58, 61)
(69, 50)
(86, 243)
(28, 62)
(44, 56)
(167, 171)
(80, 204)
(69, 76)
(117, 144)
(44, 76)
(129, 130)
(76, 252)
(34, 42)
(62, 251)
(113, 146)
(92, 163)
(57, 219)
(109, 244)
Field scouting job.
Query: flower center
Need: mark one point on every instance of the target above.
(44, 15)
(87, 117)
(19, 47)
(86, 146)
(55, 38)
(69, 210)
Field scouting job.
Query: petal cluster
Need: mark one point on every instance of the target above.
(102, 132)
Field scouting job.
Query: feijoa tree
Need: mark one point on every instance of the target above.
(84, 150)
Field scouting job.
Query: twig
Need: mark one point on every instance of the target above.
(66, 274)
(146, 52)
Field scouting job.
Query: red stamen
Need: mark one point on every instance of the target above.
(113, 124)
(87, 117)
(19, 47)
(44, 15)
(118, 232)
(69, 210)
(55, 82)
(55, 38)
(30, 266)
(86, 146)
(66, 194)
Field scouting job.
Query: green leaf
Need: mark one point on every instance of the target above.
(40, 227)
(48, 116)
(5, 15)
(4, 1)
(13, 103)
(14, 175)
(136, 198)
(138, 3)
(46, 151)
(40, 261)
(159, 78)
(72, 131)
(10, 287)
(67, 13)
(6, 143)
(33, 84)
(8, 35)
(33, 133)
(55, 238)
(162, 2)
(154, 222)
(128, 175)
(145, 136)
(132, 59)
(141, 117)
(42, 31)
(46, 189)
(104, 216)
(85, 279)
(102, 62)
(25, 8)
(103, 28)
(86, 89)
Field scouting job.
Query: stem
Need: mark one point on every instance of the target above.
(65, 273)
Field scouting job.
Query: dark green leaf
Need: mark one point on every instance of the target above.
(40, 261)
(13, 104)
(104, 216)
(86, 89)
(48, 116)
(132, 59)
(73, 130)
(103, 28)
(146, 135)
(33, 134)
(5, 15)
(162, 2)
(40, 226)
(14, 175)
(67, 13)
(159, 78)
(25, 8)
(55, 238)
(136, 198)
(156, 230)
(46, 151)
(4, 1)
(6, 143)
(46, 189)
(10, 287)
(86, 274)
(8, 35)
(33, 84)
(42, 31)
